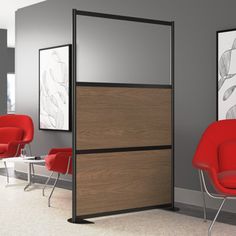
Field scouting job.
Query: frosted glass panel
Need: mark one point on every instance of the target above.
(122, 52)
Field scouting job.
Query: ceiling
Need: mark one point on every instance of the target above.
(7, 16)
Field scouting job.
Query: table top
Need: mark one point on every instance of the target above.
(25, 160)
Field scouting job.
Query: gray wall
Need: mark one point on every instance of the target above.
(36, 27)
(7, 65)
(3, 72)
(48, 24)
(10, 60)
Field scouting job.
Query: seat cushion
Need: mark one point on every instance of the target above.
(227, 156)
(3, 148)
(228, 178)
(9, 134)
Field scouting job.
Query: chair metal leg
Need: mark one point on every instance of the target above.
(5, 164)
(49, 203)
(213, 222)
(30, 153)
(203, 198)
(33, 172)
(45, 185)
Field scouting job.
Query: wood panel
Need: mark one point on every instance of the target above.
(125, 180)
(109, 117)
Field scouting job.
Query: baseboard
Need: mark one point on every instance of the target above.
(193, 197)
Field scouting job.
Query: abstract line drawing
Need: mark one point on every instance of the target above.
(226, 67)
(228, 92)
(231, 113)
(54, 90)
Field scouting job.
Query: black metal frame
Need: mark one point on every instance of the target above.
(123, 85)
(217, 67)
(70, 87)
(123, 149)
(163, 206)
(75, 218)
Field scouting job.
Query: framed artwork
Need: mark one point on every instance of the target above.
(55, 88)
(226, 74)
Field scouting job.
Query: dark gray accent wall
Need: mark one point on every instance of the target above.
(3, 72)
(7, 65)
(10, 60)
(49, 24)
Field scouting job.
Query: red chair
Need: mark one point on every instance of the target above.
(58, 160)
(216, 157)
(16, 131)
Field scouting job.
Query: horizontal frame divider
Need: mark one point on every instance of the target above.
(123, 18)
(125, 85)
(165, 206)
(123, 149)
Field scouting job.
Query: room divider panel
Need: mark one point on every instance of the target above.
(123, 133)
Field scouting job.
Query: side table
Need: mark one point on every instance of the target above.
(28, 160)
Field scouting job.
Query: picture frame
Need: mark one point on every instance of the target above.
(226, 74)
(55, 88)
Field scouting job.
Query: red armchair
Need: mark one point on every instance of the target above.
(58, 160)
(216, 157)
(16, 131)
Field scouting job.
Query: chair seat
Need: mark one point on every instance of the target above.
(228, 179)
(3, 148)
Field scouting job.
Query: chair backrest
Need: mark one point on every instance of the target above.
(58, 160)
(219, 132)
(56, 150)
(21, 121)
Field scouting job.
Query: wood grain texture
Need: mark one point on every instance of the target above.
(117, 181)
(110, 117)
